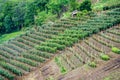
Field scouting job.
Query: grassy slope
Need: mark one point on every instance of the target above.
(6, 37)
(102, 3)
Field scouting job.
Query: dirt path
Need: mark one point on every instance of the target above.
(93, 74)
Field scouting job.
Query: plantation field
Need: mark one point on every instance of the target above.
(78, 59)
(89, 50)
(24, 54)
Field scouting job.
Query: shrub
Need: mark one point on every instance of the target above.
(11, 68)
(67, 38)
(115, 50)
(92, 64)
(59, 63)
(43, 54)
(50, 78)
(33, 57)
(110, 7)
(24, 67)
(86, 5)
(107, 78)
(59, 47)
(62, 42)
(45, 17)
(28, 61)
(63, 70)
(104, 57)
(73, 5)
(6, 74)
(47, 49)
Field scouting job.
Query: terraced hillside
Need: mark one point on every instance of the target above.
(28, 52)
(73, 63)
(89, 50)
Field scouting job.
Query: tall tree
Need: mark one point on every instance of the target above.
(41, 4)
(18, 15)
(58, 6)
(1, 23)
(29, 14)
(7, 21)
(73, 5)
(86, 5)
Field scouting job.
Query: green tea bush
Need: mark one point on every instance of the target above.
(116, 50)
(104, 57)
(62, 42)
(6, 74)
(67, 38)
(111, 7)
(23, 66)
(58, 62)
(27, 61)
(63, 70)
(47, 49)
(59, 47)
(42, 54)
(33, 57)
(11, 68)
(92, 64)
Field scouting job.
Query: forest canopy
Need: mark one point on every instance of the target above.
(17, 14)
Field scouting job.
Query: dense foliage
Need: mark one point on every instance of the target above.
(86, 5)
(14, 15)
(116, 50)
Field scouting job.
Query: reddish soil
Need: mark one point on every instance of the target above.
(50, 69)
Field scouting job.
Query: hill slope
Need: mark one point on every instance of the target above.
(75, 60)
(29, 51)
